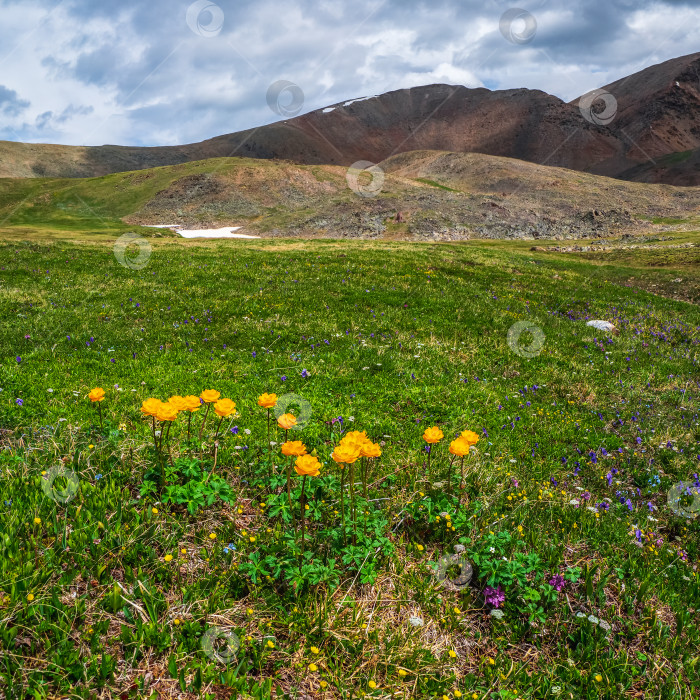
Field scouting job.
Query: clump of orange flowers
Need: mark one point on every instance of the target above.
(353, 446)
(97, 395)
(461, 447)
(168, 411)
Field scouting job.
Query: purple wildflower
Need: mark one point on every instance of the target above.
(494, 596)
(304, 374)
(557, 582)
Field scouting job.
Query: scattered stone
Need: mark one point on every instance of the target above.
(603, 326)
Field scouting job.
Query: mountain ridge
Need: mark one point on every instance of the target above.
(656, 115)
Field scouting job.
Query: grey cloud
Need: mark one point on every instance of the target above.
(141, 62)
(10, 102)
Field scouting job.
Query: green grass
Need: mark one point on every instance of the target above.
(393, 338)
(673, 158)
(432, 183)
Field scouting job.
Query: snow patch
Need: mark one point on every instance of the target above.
(359, 99)
(215, 233)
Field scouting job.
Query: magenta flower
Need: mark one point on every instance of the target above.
(494, 596)
(557, 582)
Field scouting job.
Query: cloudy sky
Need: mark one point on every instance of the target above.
(162, 72)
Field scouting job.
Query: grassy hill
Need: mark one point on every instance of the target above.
(439, 194)
(181, 570)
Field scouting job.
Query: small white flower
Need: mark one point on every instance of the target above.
(246, 431)
(365, 368)
(492, 550)
(351, 419)
(50, 391)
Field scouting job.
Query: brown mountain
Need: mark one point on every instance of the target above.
(657, 117)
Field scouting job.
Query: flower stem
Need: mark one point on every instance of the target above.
(204, 421)
(449, 476)
(268, 442)
(289, 489)
(352, 503)
(342, 498)
(303, 514)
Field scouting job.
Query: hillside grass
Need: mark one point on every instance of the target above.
(579, 446)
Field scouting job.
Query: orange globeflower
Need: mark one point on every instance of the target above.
(459, 447)
(293, 449)
(371, 449)
(355, 437)
(346, 454)
(97, 395)
(193, 403)
(210, 395)
(150, 406)
(267, 400)
(470, 436)
(307, 465)
(224, 407)
(433, 435)
(286, 421)
(178, 402)
(166, 412)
